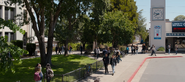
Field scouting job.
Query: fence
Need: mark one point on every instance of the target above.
(78, 74)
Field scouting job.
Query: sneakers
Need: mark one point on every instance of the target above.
(112, 74)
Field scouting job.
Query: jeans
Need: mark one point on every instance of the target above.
(176, 51)
(113, 66)
(168, 51)
(153, 53)
(136, 51)
(97, 55)
(106, 68)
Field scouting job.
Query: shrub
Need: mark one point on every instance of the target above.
(31, 48)
(122, 48)
(18, 43)
(161, 49)
(75, 46)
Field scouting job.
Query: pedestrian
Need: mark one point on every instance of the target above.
(56, 49)
(169, 48)
(62, 48)
(81, 48)
(113, 63)
(49, 72)
(94, 53)
(108, 51)
(59, 50)
(137, 49)
(104, 51)
(176, 48)
(97, 52)
(38, 75)
(144, 47)
(132, 48)
(70, 48)
(153, 50)
(106, 62)
(127, 50)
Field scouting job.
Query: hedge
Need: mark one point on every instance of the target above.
(161, 49)
(30, 47)
(18, 43)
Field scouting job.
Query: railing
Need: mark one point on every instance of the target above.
(78, 74)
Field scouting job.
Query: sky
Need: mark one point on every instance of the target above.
(173, 9)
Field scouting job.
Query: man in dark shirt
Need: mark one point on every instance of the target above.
(106, 62)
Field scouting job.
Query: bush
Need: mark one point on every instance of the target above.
(122, 48)
(161, 49)
(31, 48)
(75, 46)
(18, 43)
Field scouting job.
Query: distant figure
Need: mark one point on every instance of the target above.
(104, 51)
(97, 52)
(169, 48)
(56, 49)
(176, 48)
(153, 50)
(59, 48)
(106, 62)
(81, 48)
(113, 63)
(143, 48)
(127, 50)
(136, 49)
(132, 48)
(94, 52)
(70, 48)
(108, 51)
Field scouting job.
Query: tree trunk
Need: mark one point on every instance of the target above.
(50, 46)
(83, 46)
(66, 48)
(42, 50)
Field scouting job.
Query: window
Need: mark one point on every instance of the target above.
(0, 34)
(1, 12)
(12, 37)
(6, 13)
(6, 34)
(12, 14)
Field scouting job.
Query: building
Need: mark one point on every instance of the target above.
(9, 13)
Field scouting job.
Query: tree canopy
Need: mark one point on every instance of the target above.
(179, 18)
(6, 61)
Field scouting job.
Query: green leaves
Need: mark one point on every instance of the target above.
(8, 51)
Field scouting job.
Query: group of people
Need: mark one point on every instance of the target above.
(134, 49)
(62, 49)
(112, 61)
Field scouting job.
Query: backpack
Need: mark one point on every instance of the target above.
(127, 48)
(36, 76)
(50, 72)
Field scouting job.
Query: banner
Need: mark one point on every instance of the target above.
(157, 32)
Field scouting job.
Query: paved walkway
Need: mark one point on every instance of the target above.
(124, 70)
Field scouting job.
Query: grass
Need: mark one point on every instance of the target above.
(25, 69)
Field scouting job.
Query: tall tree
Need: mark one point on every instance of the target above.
(127, 7)
(179, 18)
(141, 30)
(117, 28)
(7, 50)
(40, 13)
(69, 20)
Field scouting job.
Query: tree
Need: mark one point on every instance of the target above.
(42, 13)
(141, 30)
(179, 18)
(6, 61)
(116, 28)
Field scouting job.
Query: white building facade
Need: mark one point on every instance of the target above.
(164, 32)
(9, 13)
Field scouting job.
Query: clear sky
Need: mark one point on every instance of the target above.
(173, 9)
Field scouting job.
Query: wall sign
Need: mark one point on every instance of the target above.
(175, 34)
(157, 32)
(178, 26)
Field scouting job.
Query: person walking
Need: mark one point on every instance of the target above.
(153, 50)
(94, 53)
(81, 48)
(108, 51)
(62, 49)
(144, 48)
(113, 63)
(97, 52)
(104, 51)
(118, 57)
(106, 62)
(70, 48)
(176, 48)
(38, 75)
(59, 48)
(136, 49)
(169, 48)
(132, 48)
(56, 49)
(127, 50)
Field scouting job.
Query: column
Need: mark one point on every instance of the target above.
(9, 36)
(3, 17)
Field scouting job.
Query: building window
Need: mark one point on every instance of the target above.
(6, 34)
(12, 15)
(1, 12)
(12, 36)
(6, 13)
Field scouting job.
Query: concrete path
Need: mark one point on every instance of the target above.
(125, 69)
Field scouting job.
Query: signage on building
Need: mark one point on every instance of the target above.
(175, 34)
(157, 32)
(178, 26)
